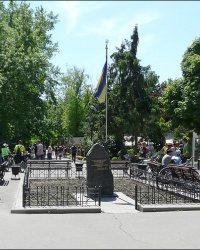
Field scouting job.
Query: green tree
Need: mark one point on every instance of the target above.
(132, 85)
(181, 97)
(27, 76)
(76, 103)
(189, 107)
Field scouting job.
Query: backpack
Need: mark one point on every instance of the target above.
(18, 152)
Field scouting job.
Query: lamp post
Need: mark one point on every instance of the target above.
(43, 122)
(91, 127)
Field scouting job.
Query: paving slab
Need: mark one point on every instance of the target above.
(105, 230)
(119, 204)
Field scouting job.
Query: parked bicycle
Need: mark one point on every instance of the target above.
(184, 171)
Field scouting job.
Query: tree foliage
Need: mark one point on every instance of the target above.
(26, 75)
(130, 87)
(77, 97)
(181, 97)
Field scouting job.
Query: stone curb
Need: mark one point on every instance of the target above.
(57, 210)
(170, 207)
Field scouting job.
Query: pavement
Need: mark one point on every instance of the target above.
(117, 226)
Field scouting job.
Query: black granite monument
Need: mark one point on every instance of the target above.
(98, 170)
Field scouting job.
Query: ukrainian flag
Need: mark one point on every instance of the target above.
(100, 91)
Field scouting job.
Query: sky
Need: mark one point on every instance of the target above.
(165, 28)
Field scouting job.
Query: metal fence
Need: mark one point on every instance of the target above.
(46, 183)
(49, 169)
(154, 195)
(163, 181)
(161, 189)
(54, 169)
(59, 194)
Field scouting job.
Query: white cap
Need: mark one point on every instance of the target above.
(178, 152)
(5, 145)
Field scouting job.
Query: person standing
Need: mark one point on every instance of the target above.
(150, 148)
(40, 151)
(44, 151)
(5, 152)
(28, 151)
(181, 148)
(143, 150)
(73, 150)
(174, 148)
(187, 150)
(56, 152)
(60, 152)
(19, 152)
(35, 150)
(49, 152)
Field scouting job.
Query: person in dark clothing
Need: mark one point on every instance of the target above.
(35, 150)
(60, 152)
(73, 150)
(143, 150)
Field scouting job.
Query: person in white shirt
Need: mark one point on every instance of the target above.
(174, 148)
(167, 158)
(177, 159)
(49, 152)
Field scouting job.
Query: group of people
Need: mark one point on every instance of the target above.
(146, 150)
(177, 153)
(38, 151)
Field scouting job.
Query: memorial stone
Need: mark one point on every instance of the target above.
(98, 170)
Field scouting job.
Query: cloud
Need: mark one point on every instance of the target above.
(75, 10)
(119, 27)
(106, 27)
(145, 17)
(72, 12)
(141, 19)
(145, 43)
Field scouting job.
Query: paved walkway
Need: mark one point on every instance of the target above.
(116, 227)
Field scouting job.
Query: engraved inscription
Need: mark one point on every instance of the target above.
(100, 164)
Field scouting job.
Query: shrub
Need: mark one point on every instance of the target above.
(114, 158)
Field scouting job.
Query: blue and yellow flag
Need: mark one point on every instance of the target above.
(100, 91)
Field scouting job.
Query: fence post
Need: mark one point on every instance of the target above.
(136, 197)
(157, 181)
(99, 195)
(23, 195)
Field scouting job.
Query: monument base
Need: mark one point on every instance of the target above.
(109, 195)
(102, 195)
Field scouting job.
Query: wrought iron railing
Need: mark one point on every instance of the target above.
(163, 189)
(48, 194)
(48, 184)
(163, 181)
(173, 195)
(49, 169)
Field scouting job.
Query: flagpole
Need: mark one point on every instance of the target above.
(106, 92)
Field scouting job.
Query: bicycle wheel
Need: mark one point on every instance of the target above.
(166, 173)
(195, 175)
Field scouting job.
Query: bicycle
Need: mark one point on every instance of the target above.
(171, 171)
